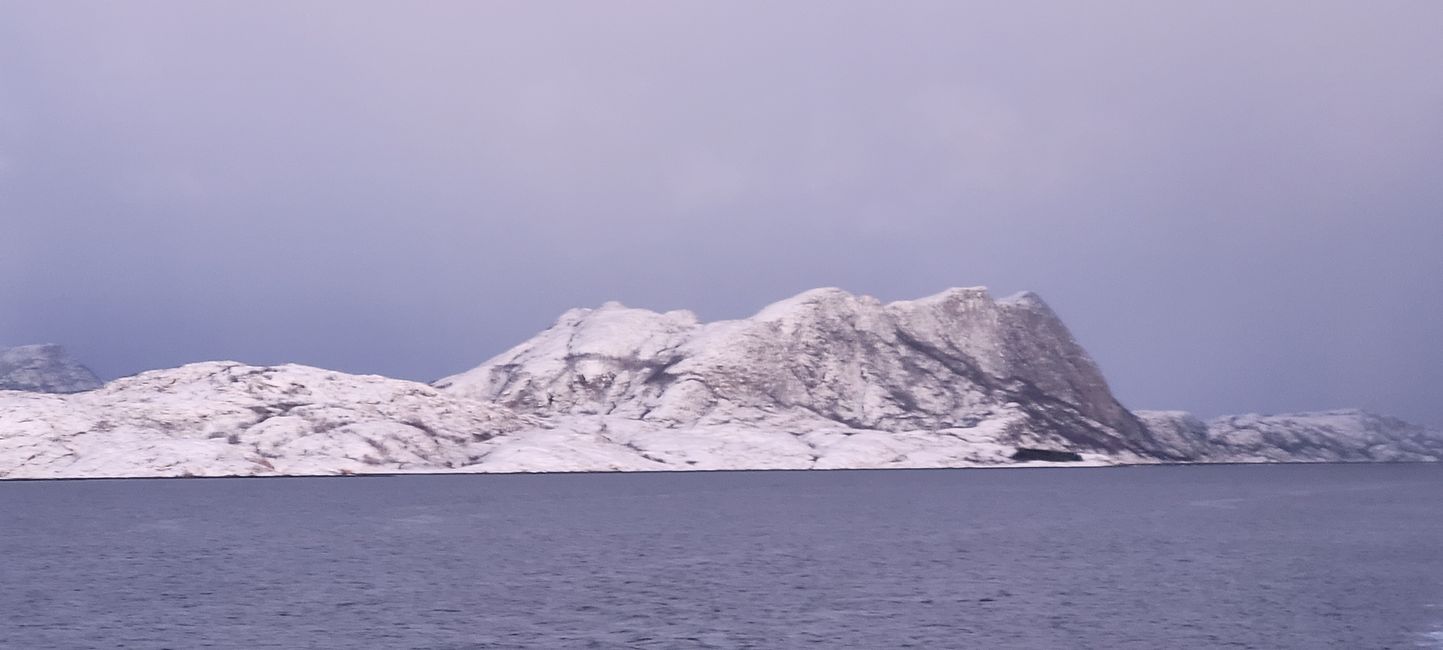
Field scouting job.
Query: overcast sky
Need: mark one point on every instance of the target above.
(1236, 206)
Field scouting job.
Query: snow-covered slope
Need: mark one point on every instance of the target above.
(823, 360)
(823, 380)
(231, 419)
(43, 368)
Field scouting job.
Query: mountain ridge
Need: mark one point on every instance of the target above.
(823, 380)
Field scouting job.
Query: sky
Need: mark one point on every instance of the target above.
(1235, 206)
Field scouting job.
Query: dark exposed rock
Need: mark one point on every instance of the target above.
(1025, 454)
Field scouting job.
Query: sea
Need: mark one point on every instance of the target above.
(1300, 557)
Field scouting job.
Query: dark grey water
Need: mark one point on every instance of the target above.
(1163, 557)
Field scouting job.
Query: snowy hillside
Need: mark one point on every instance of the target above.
(228, 418)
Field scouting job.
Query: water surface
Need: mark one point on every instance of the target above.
(1305, 557)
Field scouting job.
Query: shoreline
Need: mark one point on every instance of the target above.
(1017, 466)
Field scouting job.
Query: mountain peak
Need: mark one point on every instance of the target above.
(44, 368)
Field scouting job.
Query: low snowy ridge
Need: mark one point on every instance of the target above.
(231, 419)
(824, 380)
(1332, 436)
(44, 368)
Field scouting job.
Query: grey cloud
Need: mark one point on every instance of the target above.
(1234, 205)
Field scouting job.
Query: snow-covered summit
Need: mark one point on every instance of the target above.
(45, 368)
(950, 360)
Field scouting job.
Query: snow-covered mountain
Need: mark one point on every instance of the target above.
(827, 359)
(44, 368)
(823, 380)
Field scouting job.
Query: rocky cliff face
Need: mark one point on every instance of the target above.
(949, 361)
(43, 369)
